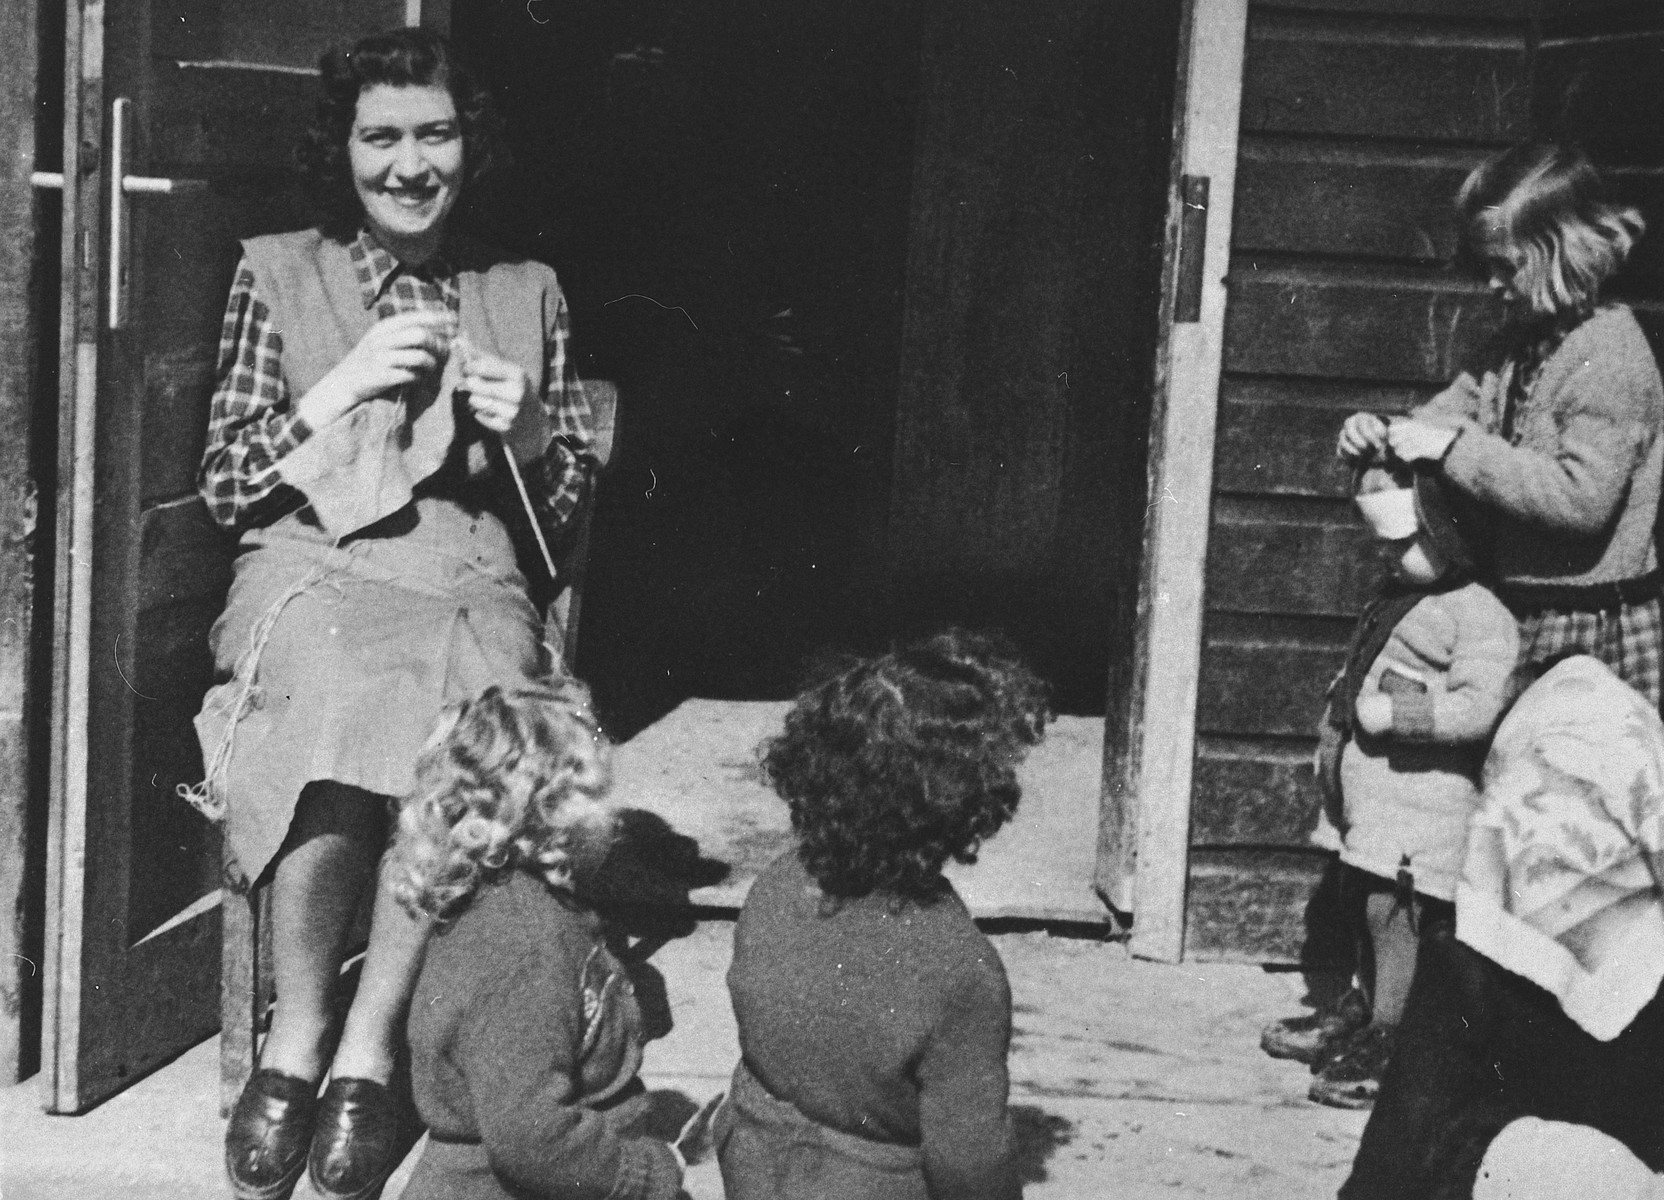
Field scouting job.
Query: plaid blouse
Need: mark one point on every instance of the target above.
(252, 424)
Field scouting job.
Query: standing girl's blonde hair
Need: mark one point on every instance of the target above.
(1542, 216)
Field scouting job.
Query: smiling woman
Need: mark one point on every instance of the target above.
(379, 378)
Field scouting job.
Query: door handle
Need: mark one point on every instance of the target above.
(1193, 238)
(123, 185)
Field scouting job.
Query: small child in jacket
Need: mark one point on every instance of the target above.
(524, 1031)
(874, 1017)
(1403, 739)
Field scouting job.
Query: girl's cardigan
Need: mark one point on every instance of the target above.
(1575, 491)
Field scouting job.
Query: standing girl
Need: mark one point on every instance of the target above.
(1556, 437)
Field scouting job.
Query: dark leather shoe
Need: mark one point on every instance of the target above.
(362, 1132)
(267, 1137)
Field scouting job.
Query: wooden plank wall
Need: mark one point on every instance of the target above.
(1600, 82)
(1358, 122)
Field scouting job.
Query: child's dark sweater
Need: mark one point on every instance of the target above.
(886, 1020)
(525, 1043)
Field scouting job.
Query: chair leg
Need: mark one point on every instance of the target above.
(239, 994)
(568, 606)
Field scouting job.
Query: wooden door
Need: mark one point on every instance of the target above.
(180, 120)
(1033, 265)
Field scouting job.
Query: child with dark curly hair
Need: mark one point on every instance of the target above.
(874, 1017)
(525, 1034)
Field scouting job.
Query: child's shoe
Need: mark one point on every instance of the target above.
(1352, 1078)
(1314, 1037)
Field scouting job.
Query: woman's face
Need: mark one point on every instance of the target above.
(407, 162)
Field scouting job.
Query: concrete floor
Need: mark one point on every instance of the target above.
(1130, 1079)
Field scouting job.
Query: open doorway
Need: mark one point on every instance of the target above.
(858, 266)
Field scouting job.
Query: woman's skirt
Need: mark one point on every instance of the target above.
(337, 660)
(1629, 639)
(770, 1151)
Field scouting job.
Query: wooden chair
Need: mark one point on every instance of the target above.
(246, 988)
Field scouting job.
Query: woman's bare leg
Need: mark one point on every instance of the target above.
(374, 1023)
(317, 887)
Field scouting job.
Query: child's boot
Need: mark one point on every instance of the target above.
(1314, 1037)
(1352, 1078)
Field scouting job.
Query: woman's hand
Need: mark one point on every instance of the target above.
(496, 388)
(1373, 713)
(503, 399)
(1363, 436)
(395, 352)
(1419, 441)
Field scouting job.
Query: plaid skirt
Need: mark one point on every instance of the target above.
(1630, 640)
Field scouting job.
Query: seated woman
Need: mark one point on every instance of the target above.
(874, 1017)
(1543, 1001)
(384, 384)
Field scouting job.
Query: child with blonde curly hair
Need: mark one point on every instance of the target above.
(524, 1031)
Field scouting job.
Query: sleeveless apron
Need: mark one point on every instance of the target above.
(336, 654)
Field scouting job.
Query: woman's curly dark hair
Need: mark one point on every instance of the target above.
(396, 58)
(905, 761)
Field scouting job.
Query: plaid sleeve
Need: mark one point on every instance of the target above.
(251, 426)
(557, 480)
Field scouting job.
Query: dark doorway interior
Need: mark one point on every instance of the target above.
(749, 204)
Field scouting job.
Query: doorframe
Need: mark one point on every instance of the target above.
(83, 174)
(1144, 850)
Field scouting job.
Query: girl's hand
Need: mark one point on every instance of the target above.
(502, 398)
(1419, 441)
(1363, 436)
(1373, 713)
(395, 352)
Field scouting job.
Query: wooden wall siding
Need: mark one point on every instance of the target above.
(1359, 120)
(1598, 83)
(1246, 906)
(1354, 76)
(1351, 320)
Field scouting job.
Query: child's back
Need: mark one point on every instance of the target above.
(524, 1035)
(842, 1009)
(874, 1018)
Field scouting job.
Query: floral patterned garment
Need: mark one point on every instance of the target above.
(1561, 879)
